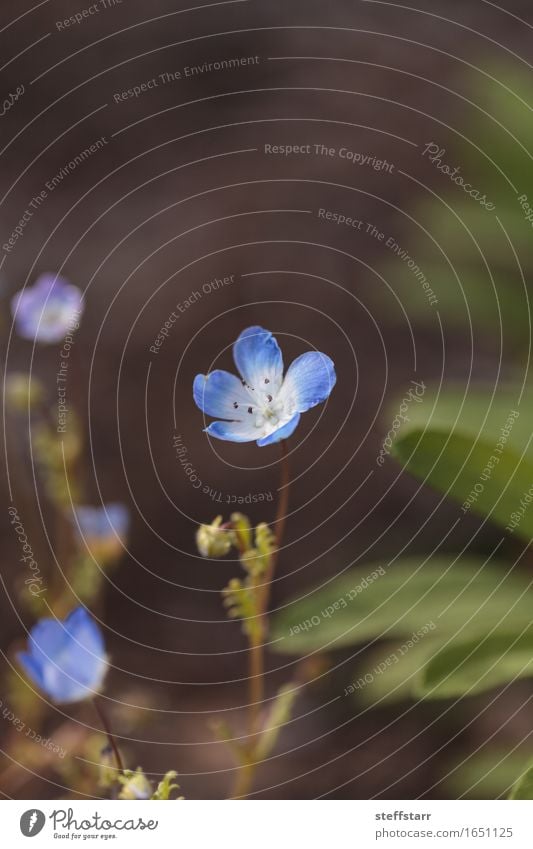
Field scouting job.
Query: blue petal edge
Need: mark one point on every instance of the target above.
(228, 432)
(281, 433)
(310, 378)
(31, 667)
(257, 355)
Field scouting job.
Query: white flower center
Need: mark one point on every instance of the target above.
(269, 407)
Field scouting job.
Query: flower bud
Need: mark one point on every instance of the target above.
(23, 391)
(135, 785)
(214, 541)
(243, 530)
(265, 539)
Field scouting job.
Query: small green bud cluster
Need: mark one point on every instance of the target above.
(214, 540)
(136, 785)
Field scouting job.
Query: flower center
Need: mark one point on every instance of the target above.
(267, 410)
(271, 411)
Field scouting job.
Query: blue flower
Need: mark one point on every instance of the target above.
(103, 529)
(48, 310)
(66, 660)
(262, 405)
(110, 519)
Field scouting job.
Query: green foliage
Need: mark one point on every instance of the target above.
(485, 774)
(476, 449)
(225, 734)
(470, 298)
(471, 667)
(523, 789)
(135, 785)
(57, 456)
(464, 598)
(473, 270)
(451, 629)
(272, 723)
(507, 98)
(23, 392)
(278, 716)
(166, 786)
(394, 681)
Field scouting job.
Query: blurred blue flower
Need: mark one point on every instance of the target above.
(103, 529)
(48, 310)
(66, 660)
(113, 518)
(262, 405)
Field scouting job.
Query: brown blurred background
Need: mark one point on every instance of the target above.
(181, 193)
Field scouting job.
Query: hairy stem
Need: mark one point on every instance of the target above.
(107, 728)
(279, 526)
(256, 654)
(256, 674)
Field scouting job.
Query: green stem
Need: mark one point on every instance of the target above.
(256, 654)
(244, 780)
(279, 526)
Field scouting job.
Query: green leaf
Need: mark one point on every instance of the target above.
(471, 223)
(279, 715)
(474, 666)
(523, 789)
(477, 450)
(224, 733)
(389, 674)
(469, 303)
(508, 100)
(466, 598)
(485, 774)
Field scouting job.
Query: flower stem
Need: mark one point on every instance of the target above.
(244, 780)
(256, 654)
(256, 675)
(279, 524)
(107, 728)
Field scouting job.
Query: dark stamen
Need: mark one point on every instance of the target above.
(267, 380)
(236, 406)
(269, 397)
(250, 410)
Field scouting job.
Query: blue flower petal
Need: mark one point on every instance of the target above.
(232, 431)
(47, 638)
(31, 667)
(217, 393)
(309, 380)
(84, 666)
(49, 309)
(67, 659)
(102, 522)
(281, 433)
(71, 679)
(117, 516)
(258, 357)
(85, 632)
